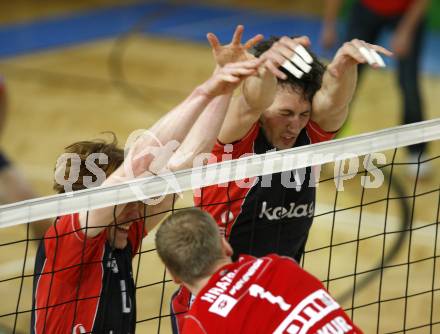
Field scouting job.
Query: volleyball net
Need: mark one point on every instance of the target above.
(373, 242)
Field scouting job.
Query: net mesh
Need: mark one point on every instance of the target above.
(374, 242)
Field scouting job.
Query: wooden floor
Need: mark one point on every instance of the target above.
(62, 96)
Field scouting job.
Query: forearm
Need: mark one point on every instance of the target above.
(141, 157)
(259, 90)
(330, 104)
(203, 134)
(95, 221)
(156, 213)
(413, 15)
(152, 150)
(185, 115)
(340, 90)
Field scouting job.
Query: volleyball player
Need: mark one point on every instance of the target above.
(271, 294)
(293, 101)
(84, 280)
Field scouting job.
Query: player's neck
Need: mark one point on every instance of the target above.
(201, 283)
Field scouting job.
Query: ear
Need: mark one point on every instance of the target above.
(227, 249)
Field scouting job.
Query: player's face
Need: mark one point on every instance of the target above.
(118, 233)
(285, 118)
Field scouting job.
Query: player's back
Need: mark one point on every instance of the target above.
(267, 295)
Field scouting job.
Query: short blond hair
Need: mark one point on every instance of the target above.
(188, 242)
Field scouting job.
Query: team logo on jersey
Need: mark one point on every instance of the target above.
(307, 313)
(336, 325)
(111, 263)
(227, 217)
(292, 211)
(246, 277)
(258, 291)
(223, 305)
(78, 329)
(219, 288)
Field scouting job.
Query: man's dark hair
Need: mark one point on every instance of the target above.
(310, 82)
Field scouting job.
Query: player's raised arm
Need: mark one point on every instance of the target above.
(203, 134)
(258, 90)
(196, 122)
(330, 103)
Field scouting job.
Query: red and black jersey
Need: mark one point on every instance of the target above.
(267, 214)
(265, 295)
(83, 285)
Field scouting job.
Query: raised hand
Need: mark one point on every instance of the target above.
(234, 51)
(289, 53)
(225, 79)
(357, 52)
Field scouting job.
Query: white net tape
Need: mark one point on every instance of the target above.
(233, 170)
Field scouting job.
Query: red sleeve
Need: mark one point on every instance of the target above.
(316, 134)
(193, 326)
(67, 246)
(243, 146)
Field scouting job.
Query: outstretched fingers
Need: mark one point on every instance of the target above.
(229, 78)
(380, 49)
(246, 68)
(271, 66)
(356, 52)
(254, 40)
(213, 40)
(240, 70)
(370, 53)
(235, 50)
(238, 33)
(290, 54)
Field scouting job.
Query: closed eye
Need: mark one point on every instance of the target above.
(285, 112)
(305, 114)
